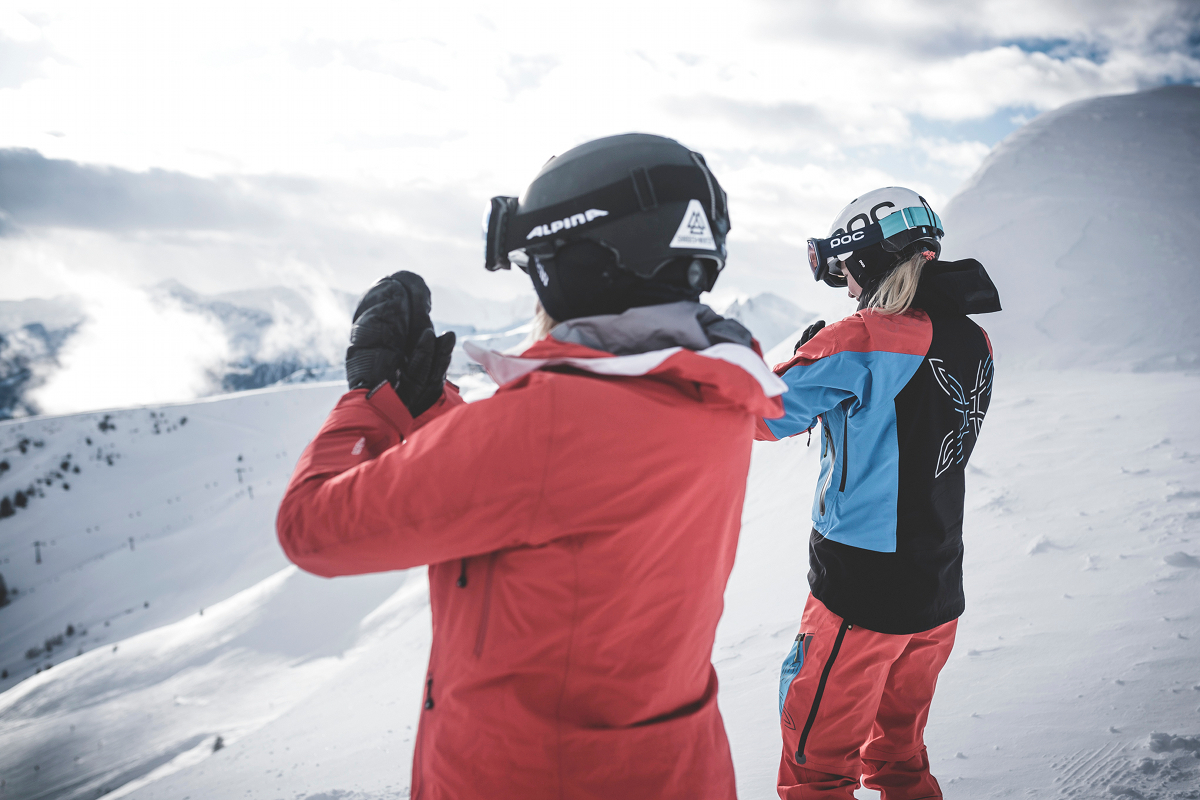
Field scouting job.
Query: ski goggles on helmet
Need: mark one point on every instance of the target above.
(634, 217)
(894, 232)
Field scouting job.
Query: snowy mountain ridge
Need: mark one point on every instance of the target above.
(264, 336)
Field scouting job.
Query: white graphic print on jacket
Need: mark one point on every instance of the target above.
(970, 407)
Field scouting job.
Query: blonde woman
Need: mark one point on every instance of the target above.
(900, 389)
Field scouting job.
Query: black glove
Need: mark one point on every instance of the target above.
(383, 333)
(388, 342)
(809, 332)
(404, 286)
(419, 383)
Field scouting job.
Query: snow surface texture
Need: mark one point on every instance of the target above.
(1087, 219)
(1074, 674)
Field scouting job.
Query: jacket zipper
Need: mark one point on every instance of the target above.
(462, 576)
(812, 714)
(487, 606)
(845, 433)
(429, 692)
(832, 458)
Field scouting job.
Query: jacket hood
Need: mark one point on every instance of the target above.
(682, 342)
(960, 287)
(952, 287)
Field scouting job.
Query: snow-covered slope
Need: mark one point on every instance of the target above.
(1080, 640)
(1087, 220)
(103, 513)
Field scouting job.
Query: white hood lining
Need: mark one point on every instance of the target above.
(505, 368)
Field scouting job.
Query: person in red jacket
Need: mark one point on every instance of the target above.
(580, 524)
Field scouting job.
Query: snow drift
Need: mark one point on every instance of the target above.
(1088, 219)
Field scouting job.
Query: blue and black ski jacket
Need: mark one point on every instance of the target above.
(901, 399)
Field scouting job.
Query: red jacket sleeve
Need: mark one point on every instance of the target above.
(377, 491)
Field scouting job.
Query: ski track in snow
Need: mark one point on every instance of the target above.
(1074, 649)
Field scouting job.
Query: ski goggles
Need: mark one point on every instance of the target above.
(659, 195)
(895, 232)
(824, 268)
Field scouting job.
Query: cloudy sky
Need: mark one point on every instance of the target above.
(239, 144)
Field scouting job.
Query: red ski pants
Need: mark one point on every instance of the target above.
(853, 703)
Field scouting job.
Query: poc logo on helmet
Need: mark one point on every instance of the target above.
(564, 223)
(847, 238)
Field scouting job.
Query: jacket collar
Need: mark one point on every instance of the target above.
(640, 330)
(684, 341)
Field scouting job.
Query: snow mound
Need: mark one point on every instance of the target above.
(1087, 220)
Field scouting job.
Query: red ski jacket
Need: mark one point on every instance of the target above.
(580, 526)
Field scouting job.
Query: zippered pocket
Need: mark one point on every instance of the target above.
(486, 609)
(791, 668)
(845, 437)
(828, 438)
(816, 704)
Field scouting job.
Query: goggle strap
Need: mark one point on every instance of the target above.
(642, 190)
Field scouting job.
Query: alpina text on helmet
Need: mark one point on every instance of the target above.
(565, 222)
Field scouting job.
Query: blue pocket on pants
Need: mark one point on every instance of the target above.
(792, 665)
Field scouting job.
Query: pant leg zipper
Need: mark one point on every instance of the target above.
(812, 714)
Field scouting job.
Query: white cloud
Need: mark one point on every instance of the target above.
(132, 349)
(403, 118)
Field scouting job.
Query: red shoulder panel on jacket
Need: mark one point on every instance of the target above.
(867, 331)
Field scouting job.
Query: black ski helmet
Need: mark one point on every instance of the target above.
(617, 222)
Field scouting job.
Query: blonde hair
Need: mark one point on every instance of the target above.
(543, 323)
(896, 292)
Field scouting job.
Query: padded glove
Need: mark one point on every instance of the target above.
(809, 333)
(405, 287)
(393, 342)
(377, 340)
(419, 383)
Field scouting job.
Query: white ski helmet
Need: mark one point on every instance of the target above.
(882, 227)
